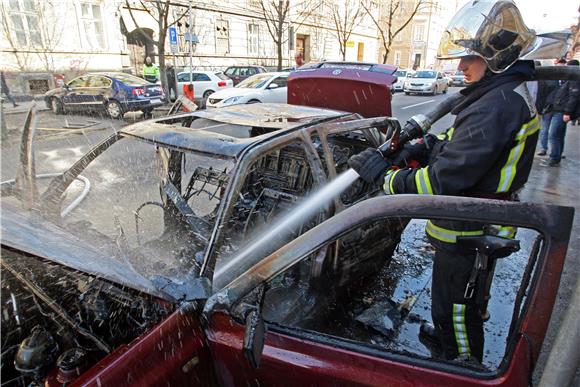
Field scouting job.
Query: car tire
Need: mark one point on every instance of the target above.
(207, 93)
(115, 109)
(56, 105)
(445, 91)
(407, 93)
(253, 101)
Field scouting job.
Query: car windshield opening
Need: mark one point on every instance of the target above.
(151, 207)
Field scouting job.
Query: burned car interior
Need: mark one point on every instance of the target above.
(144, 230)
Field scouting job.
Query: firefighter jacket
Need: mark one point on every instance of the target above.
(487, 153)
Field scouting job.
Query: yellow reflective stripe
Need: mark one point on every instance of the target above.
(442, 136)
(460, 330)
(446, 235)
(422, 181)
(505, 231)
(528, 129)
(450, 132)
(509, 170)
(389, 178)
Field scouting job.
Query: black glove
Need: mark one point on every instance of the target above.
(370, 165)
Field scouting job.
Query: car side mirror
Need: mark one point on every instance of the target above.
(273, 86)
(254, 337)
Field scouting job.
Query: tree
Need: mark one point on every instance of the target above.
(276, 14)
(393, 24)
(346, 19)
(158, 11)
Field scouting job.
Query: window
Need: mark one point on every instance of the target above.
(251, 71)
(281, 81)
(99, 82)
(25, 23)
(183, 77)
(232, 71)
(78, 82)
(222, 36)
(92, 25)
(419, 33)
(397, 58)
(200, 77)
(253, 39)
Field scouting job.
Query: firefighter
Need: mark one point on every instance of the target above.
(488, 152)
(150, 71)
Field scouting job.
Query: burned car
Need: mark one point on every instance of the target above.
(170, 200)
(141, 264)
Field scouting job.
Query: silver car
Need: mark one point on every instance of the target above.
(426, 82)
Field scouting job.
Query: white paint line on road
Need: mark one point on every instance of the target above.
(417, 104)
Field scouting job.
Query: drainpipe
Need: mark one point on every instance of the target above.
(564, 357)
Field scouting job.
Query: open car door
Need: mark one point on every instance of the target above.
(365, 333)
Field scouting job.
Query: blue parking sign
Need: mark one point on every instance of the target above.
(172, 36)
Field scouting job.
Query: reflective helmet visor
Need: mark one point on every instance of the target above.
(491, 29)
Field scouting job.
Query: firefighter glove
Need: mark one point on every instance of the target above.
(370, 165)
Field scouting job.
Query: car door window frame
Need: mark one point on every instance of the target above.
(553, 223)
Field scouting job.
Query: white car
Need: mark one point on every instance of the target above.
(205, 83)
(266, 87)
(402, 75)
(426, 82)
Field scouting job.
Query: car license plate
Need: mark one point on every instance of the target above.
(155, 100)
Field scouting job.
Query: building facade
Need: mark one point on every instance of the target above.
(44, 43)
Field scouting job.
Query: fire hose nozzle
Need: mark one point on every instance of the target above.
(416, 127)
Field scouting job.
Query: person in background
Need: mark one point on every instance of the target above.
(544, 104)
(150, 71)
(6, 90)
(171, 82)
(565, 101)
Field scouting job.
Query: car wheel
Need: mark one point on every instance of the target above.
(207, 93)
(114, 109)
(407, 93)
(56, 106)
(445, 90)
(253, 101)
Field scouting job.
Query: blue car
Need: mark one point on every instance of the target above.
(115, 92)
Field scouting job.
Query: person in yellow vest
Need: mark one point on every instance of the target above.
(150, 71)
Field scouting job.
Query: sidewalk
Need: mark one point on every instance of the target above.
(559, 185)
(24, 106)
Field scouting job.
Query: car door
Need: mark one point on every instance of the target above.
(278, 94)
(201, 84)
(331, 352)
(74, 93)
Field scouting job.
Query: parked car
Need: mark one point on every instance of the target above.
(117, 93)
(426, 82)
(239, 73)
(458, 79)
(205, 83)
(402, 76)
(267, 87)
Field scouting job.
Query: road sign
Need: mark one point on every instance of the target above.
(172, 36)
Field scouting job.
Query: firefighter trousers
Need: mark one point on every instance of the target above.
(457, 320)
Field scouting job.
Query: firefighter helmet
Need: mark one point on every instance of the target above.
(493, 30)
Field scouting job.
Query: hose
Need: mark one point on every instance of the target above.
(76, 202)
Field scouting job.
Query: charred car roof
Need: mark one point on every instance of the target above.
(229, 130)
